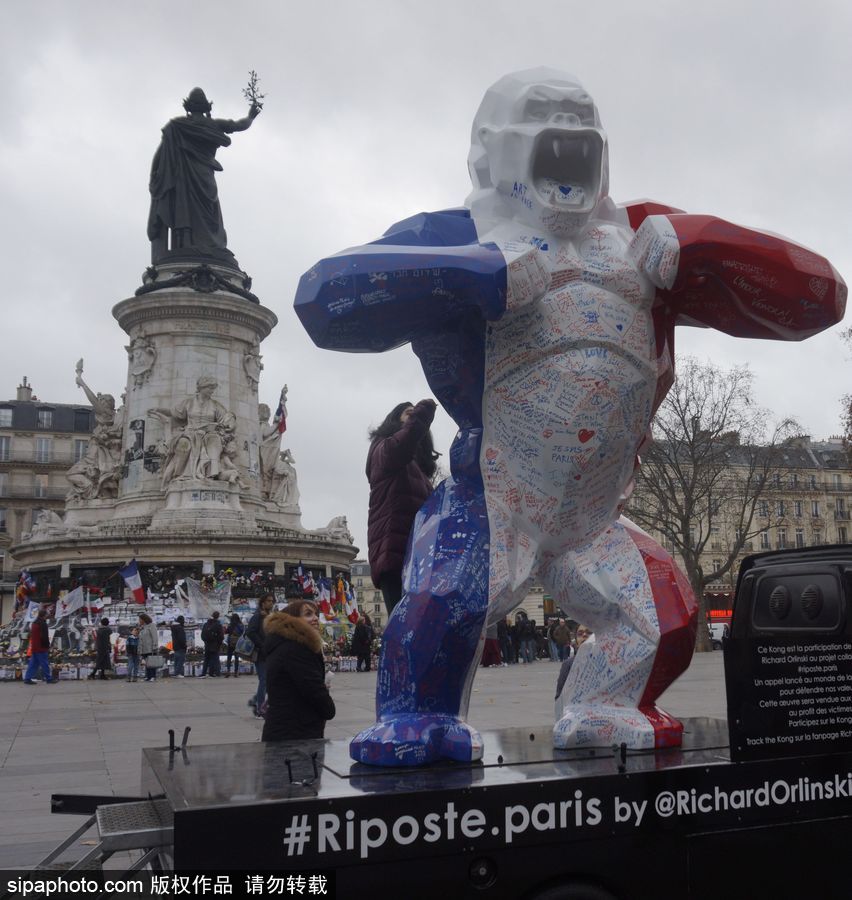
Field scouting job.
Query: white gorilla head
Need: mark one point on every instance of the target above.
(538, 151)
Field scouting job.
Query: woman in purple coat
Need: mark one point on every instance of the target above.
(400, 467)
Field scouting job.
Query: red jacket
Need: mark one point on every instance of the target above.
(39, 636)
(398, 488)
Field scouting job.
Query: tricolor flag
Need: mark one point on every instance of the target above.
(130, 574)
(324, 596)
(281, 415)
(70, 603)
(351, 605)
(308, 586)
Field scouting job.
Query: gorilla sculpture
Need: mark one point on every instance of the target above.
(543, 315)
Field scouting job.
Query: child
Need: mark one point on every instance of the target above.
(133, 655)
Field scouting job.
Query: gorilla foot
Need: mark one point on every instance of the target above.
(596, 725)
(416, 739)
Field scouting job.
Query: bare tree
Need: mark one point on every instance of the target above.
(714, 461)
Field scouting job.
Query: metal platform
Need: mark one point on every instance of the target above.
(135, 826)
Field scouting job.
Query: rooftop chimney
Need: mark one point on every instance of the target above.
(25, 390)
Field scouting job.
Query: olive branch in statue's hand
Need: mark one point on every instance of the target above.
(252, 93)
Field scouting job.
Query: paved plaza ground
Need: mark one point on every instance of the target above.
(86, 736)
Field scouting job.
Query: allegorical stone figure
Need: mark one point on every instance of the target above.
(185, 216)
(95, 475)
(203, 446)
(277, 472)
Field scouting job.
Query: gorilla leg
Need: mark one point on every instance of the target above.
(644, 615)
(433, 640)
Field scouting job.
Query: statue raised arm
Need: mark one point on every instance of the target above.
(185, 220)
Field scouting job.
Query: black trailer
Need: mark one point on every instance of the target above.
(760, 808)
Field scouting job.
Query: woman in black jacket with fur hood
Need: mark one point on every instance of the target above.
(299, 703)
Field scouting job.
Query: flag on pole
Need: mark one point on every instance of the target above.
(351, 605)
(325, 596)
(281, 415)
(70, 603)
(130, 574)
(308, 587)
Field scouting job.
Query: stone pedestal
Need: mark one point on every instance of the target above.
(188, 323)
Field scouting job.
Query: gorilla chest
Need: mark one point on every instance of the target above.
(598, 303)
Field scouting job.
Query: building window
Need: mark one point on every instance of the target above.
(797, 508)
(4, 484)
(80, 448)
(817, 536)
(782, 508)
(764, 540)
(42, 451)
(45, 418)
(763, 508)
(815, 508)
(5, 417)
(5, 447)
(82, 420)
(782, 538)
(776, 480)
(2, 521)
(838, 480)
(841, 533)
(839, 505)
(813, 481)
(40, 487)
(376, 609)
(800, 537)
(794, 480)
(717, 565)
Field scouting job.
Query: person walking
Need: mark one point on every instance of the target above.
(562, 636)
(362, 642)
(149, 643)
(299, 701)
(255, 633)
(179, 646)
(212, 634)
(400, 467)
(505, 642)
(39, 648)
(103, 647)
(235, 632)
(132, 650)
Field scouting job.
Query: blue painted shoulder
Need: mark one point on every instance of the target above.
(447, 228)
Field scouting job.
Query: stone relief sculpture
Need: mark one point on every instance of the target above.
(252, 364)
(543, 315)
(338, 529)
(202, 443)
(96, 475)
(277, 468)
(47, 524)
(142, 355)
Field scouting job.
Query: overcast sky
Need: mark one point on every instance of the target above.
(737, 109)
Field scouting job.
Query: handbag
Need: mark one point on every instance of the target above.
(154, 662)
(245, 648)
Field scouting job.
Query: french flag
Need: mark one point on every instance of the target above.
(281, 416)
(130, 574)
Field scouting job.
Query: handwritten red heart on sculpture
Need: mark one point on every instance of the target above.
(585, 434)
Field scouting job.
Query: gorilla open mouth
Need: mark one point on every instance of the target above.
(566, 170)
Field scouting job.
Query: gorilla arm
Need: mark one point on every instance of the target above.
(424, 272)
(741, 281)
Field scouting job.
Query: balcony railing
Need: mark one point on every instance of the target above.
(28, 493)
(40, 458)
(841, 515)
